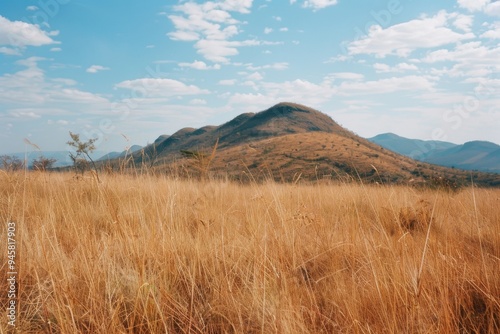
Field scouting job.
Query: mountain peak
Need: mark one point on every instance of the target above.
(385, 136)
(287, 117)
(481, 144)
(284, 108)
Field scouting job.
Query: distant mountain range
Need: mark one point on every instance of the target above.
(116, 155)
(62, 157)
(474, 155)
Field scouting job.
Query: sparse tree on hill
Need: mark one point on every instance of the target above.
(11, 163)
(43, 163)
(83, 150)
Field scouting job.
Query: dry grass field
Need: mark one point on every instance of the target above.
(152, 254)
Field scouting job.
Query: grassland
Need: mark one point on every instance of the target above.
(150, 254)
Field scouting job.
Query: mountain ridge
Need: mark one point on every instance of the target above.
(472, 155)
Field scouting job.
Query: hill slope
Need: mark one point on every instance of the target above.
(289, 142)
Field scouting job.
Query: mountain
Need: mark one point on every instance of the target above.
(62, 157)
(413, 148)
(287, 142)
(282, 119)
(475, 155)
(115, 155)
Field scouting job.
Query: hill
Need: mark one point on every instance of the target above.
(480, 155)
(280, 120)
(115, 155)
(475, 155)
(414, 148)
(289, 142)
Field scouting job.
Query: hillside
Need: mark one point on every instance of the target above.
(288, 142)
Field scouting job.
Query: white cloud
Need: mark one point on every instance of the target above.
(184, 36)
(473, 5)
(30, 87)
(249, 102)
(227, 82)
(489, 7)
(472, 52)
(24, 114)
(56, 49)
(299, 90)
(345, 76)
(256, 76)
(309, 93)
(268, 30)
(389, 85)
(198, 102)
(275, 66)
(284, 29)
(242, 6)
(96, 68)
(316, 4)
(493, 33)
(22, 34)
(9, 51)
(463, 22)
(212, 27)
(200, 65)
(338, 59)
(32, 8)
(251, 84)
(151, 87)
(381, 68)
(64, 81)
(76, 95)
(219, 51)
(493, 9)
(471, 59)
(404, 38)
(270, 93)
(401, 67)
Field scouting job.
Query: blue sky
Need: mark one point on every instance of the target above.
(126, 72)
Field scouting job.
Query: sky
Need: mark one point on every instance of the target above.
(125, 72)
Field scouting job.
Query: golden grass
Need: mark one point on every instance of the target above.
(160, 255)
